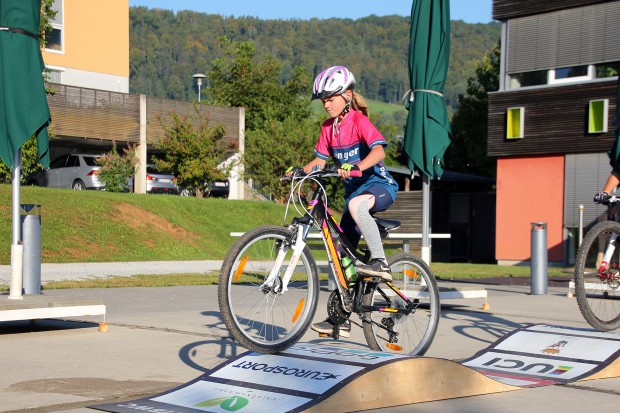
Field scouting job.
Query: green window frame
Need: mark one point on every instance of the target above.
(598, 111)
(515, 123)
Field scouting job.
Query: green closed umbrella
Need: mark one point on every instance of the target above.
(23, 105)
(427, 134)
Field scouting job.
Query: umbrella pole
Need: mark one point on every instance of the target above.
(17, 249)
(426, 249)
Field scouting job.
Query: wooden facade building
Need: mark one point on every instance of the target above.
(550, 123)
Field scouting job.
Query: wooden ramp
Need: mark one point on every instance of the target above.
(319, 378)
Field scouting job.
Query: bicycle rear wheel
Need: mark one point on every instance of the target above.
(262, 317)
(414, 332)
(597, 286)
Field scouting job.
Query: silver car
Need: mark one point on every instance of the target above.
(160, 182)
(75, 171)
(157, 182)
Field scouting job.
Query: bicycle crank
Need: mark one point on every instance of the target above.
(335, 310)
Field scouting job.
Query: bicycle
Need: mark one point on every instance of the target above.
(269, 284)
(597, 274)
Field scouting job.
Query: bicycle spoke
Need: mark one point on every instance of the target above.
(597, 277)
(260, 316)
(404, 333)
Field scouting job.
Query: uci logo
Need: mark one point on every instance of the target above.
(539, 368)
(230, 404)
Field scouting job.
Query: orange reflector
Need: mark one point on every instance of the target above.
(409, 273)
(393, 347)
(297, 312)
(240, 268)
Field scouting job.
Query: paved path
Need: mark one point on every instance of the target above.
(162, 337)
(61, 272)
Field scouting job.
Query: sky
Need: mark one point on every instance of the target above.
(471, 11)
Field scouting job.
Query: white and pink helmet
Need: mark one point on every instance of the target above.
(332, 81)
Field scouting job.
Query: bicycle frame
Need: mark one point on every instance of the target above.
(319, 215)
(269, 283)
(603, 269)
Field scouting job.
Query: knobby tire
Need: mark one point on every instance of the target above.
(416, 331)
(266, 321)
(598, 300)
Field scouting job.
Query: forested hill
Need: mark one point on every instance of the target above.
(166, 49)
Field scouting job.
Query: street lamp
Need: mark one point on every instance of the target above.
(199, 77)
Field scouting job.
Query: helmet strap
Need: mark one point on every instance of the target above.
(347, 106)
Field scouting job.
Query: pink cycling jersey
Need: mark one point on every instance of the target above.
(350, 141)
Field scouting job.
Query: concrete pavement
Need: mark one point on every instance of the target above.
(161, 337)
(86, 270)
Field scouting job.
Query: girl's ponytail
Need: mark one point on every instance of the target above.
(359, 103)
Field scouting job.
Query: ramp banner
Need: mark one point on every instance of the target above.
(291, 381)
(541, 355)
(307, 374)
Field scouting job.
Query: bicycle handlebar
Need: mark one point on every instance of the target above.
(328, 172)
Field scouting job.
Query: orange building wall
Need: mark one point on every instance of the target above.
(96, 37)
(529, 190)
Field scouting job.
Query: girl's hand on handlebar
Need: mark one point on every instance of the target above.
(602, 198)
(349, 171)
(294, 170)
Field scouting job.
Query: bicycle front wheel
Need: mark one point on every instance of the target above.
(260, 315)
(401, 333)
(597, 284)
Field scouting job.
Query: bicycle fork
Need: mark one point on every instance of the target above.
(273, 282)
(604, 272)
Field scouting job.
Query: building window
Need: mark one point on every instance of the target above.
(515, 122)
(571, 74)
(563, 75)
(597, 116)
(55, 38)
(608, 69)
(535, 78)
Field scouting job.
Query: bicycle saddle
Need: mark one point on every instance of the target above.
(388, 224)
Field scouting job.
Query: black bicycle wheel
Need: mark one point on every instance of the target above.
(413, 333)
(597, 285)
(261, 317)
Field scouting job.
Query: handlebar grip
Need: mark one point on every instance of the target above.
(355, 174)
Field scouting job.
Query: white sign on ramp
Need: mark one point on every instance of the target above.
(541, 355)
(291, 381)
(308, 374)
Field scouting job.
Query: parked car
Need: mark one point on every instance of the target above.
(217, 188)
(158, 182)
(75, 171)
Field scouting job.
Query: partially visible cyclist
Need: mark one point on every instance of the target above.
(614, 154)
(354, 143)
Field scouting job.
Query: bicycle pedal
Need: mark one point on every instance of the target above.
(330, 335)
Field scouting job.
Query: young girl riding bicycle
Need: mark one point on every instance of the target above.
(354, 143)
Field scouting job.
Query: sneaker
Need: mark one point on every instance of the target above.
(327, 327)
(377, 267)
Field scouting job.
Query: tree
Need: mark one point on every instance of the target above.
(240, 79)
(468, 150)
(193, 151)
(117, 168)
(275, 148)
(280, 127)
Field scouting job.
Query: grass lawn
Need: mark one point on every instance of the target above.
(90, 226)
